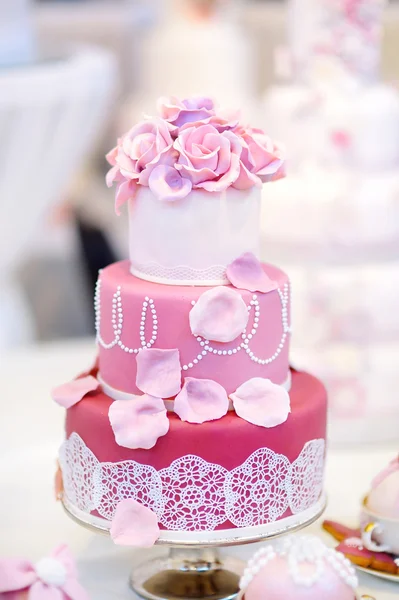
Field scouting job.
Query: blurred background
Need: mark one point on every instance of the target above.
(75, 74)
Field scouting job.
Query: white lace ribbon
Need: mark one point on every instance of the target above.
(192, 494)
(116, 394)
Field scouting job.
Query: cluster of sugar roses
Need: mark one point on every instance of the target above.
(191, 145)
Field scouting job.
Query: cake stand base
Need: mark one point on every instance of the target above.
(193, 568)
(188, 574)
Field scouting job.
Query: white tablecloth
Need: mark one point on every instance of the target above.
(31, 430)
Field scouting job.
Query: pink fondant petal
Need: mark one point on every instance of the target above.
(246, 272)
(158, 372)
(261, 402)
(71, 393)
(16, 574)
(220, 314)
(63, 554)
(74, 591)
(139, 422)
(125, 191)
(201, 400)
(134, 525)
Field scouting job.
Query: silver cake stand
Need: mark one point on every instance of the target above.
(193, 567)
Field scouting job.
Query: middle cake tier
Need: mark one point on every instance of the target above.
(133, 314)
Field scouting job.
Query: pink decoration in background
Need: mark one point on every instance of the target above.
(201, 400)
(134, 525)
(168, 185)
(138, 423)
(52, 578)
(158, 372)
(261, 402)
(209, 158)
(341, 139)
(209, 147)
(220, 314)
(71, 393)
(392, 467)
(246, 272)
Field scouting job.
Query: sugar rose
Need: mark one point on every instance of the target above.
(209, 158)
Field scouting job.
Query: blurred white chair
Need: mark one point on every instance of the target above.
(51, 113)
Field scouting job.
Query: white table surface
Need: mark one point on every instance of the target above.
(31, 431)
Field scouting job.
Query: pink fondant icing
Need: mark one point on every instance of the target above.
(173, 305)
(228, 441)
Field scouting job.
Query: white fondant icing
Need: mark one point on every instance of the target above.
(191, 493)
(208, 231)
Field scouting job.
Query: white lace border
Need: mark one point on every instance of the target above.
(116, 394)
(192, 494)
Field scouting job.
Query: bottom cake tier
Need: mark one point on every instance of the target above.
(203, 481)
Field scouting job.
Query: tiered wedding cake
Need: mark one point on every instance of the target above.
(191, 421)
(335, 221)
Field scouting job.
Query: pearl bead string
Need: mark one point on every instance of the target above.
(207, 348)
(117, 321)
(297, 551)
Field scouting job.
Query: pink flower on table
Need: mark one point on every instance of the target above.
(139, 422)
(168, 185)
(261, 160)
(52, 578)
(179, 112)
(209, 158)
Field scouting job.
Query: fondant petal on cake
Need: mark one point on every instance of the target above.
(125, 190)
(201, 400)
(261, 402)
(71, 393)
(16, 574)
(168, 185)
(246, 272)
(134, 525)
(220, 314)
(158, 372)
(138, 423)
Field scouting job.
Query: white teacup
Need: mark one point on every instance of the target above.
(379, 534)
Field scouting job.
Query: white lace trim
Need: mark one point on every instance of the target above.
(205, 346)
(192, 494)
(180, 274)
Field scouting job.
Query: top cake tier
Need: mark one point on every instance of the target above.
(192, 177)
